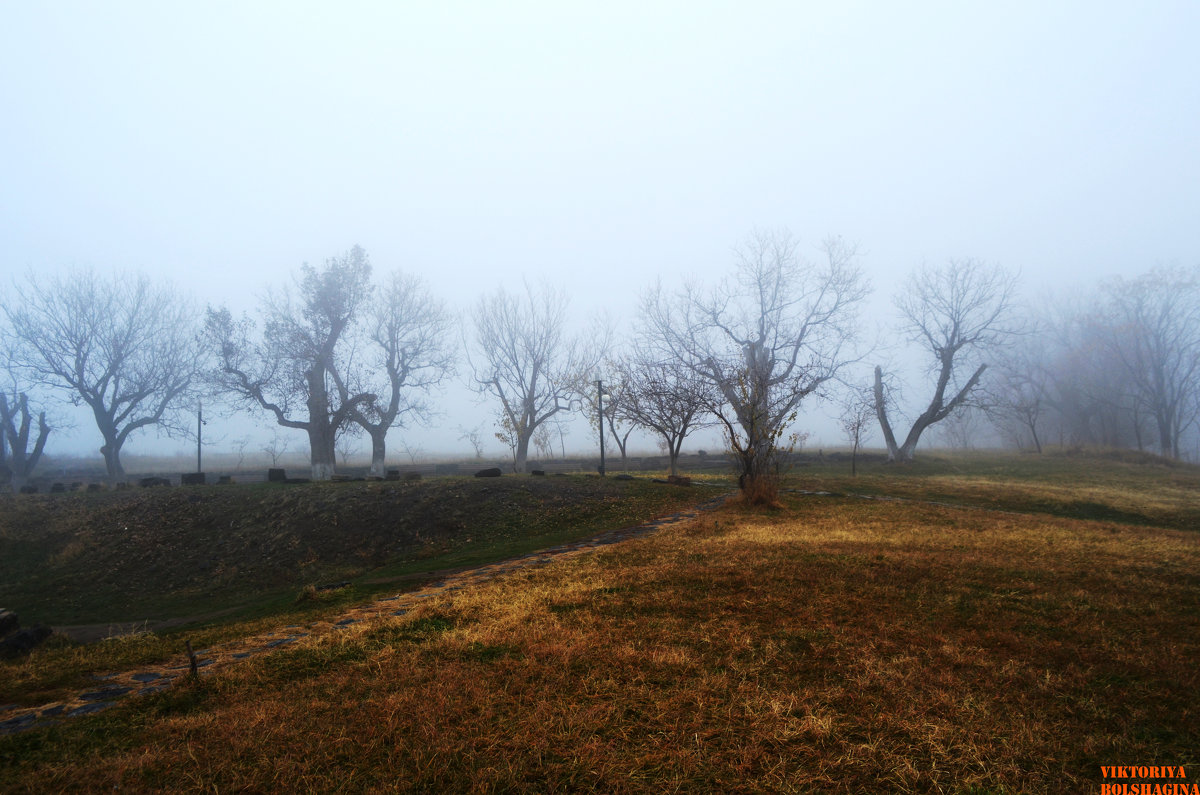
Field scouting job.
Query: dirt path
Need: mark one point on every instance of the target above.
(153, 678)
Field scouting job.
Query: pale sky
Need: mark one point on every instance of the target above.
(598, 145)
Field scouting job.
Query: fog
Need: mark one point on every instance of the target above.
(599, 147)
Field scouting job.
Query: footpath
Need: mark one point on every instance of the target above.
(112, 687)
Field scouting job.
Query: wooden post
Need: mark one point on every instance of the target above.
(191, 659)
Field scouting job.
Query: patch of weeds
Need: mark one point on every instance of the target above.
(561, 608)
(487, 653)
(804, 641)
(966, 606)
(289, 665)
(313, 593)
(416, 631)
(187, 696)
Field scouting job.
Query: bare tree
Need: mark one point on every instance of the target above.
(473, 437)
(543, 441)
(298, 372)
(1017, 399)
(1154, 330)
(957, 313)
(346, 444)
(620, 428)
(563, 431)
(121, 345)
(17, 461)
(239, 446)
(858, 412)
(613, 422)
(409, 351)
(525, 359)
(17, 414)
(666, 397)
(413, 451)
(962, 429)
(1079, 376)
(276, 447)
(773, 334)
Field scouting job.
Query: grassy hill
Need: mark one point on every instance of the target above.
(834, 644)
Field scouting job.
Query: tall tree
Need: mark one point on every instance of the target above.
(1018, 398)
(1153, 327)
(408, 352)
(666, 397)
(771, 335)
(526, 360)
(298, 371)
(120, 344)
(957, 314)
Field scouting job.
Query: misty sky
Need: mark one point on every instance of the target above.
(600, 145)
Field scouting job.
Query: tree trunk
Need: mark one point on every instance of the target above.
(14, 439)
(936, 412)
(322, 455)
(378, 450)
(1165, 441)
(522, 452)
(112, 461)
(889, 438)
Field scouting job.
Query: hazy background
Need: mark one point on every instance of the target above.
(597, 145)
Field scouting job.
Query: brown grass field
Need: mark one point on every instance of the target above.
(835, 644)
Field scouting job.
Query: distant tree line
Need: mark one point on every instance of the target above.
(342, 352)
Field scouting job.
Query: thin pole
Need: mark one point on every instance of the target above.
(600, 402)
(199, 426)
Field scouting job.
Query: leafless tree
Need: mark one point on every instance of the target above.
(1018, 398)
(963, 429)
(1088, 397)
(770, 336)
(408, 353)
(473, 437)
(543, 441)
(1154, 330)
(666, 397)
(613, 422)
(413, 451)
(17, 460)
(239, 446)
(346, 444)
(276, 447)
(620, 427)
(958, 314)
(858, 412)
(563, 431)
(525, 359)
(120, 344)
(17, 416)
(298, 371)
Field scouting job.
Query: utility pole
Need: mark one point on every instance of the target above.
(600, 403)
(199, 426)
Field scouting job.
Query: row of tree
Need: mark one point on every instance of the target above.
(339, 352)
(1119, 368)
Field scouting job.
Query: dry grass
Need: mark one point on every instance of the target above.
(831, 645)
